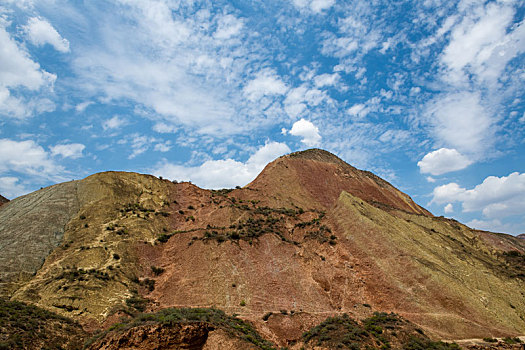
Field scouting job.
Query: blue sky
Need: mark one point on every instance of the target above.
(427, 94)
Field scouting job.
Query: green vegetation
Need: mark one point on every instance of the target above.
(514, 263)
(415, 343)
(511, 341)
(29, 327)
(157, 270)
(379, 331)
(233, 326)
(73, 274)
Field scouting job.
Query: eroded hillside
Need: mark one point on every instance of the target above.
(311, 237)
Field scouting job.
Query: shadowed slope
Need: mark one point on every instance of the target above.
(3, 200)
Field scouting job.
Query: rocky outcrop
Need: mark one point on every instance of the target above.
(162, 337)
(3, 200)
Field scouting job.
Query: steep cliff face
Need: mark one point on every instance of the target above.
(311, 237)
(3, 200)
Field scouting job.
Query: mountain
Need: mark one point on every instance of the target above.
(310, 237)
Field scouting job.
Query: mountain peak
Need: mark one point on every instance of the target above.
(315, 178)
(317, 154)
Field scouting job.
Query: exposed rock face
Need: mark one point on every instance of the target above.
(178, 336)
(31, 227)
(309, 238)
(522, 236)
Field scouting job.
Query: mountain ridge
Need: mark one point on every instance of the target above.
(307, 239)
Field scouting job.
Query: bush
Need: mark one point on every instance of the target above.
(157, 270)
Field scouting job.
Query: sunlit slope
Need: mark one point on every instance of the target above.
(436, 272)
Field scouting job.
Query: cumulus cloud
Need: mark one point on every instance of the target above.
(27, 157)
(449, 208)
(19, 71)
(71, 150)
(267, 82)
(308, 131)
(326, 79)
(443, 160)
(226, 172)
(495, 197)
(460, 121)
(10, 187)
(41, 32)
(483, 42)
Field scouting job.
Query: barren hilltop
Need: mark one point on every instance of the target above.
(314, 253)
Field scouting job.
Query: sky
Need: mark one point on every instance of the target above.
(427, 94)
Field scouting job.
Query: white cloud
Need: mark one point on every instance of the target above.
(522, 119)
(229, 26)
(81, 107)
(226, 172)
(140, 144)
(172, 61)
(308, 131)
(358, 110)
(300, 98)
(114, 123)
(19, 71)
(483, 43)
(164, 128)
(71, 150)
(449, 208)
(11, 188)
(460, 121)
(316, 6)
(267, 82)
(326, 79)
(27, 157)
(163, 146)
(430, 179)
(41, 32)
(495, 225)
(495, 197)
(443, 160)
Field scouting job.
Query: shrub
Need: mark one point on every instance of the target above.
(157, 270)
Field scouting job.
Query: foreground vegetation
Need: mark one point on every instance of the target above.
(380, 331)
(29, 327)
